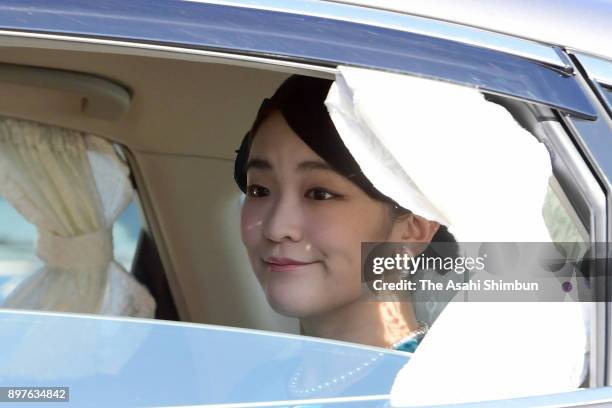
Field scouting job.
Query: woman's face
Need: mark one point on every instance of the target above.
(302, 224)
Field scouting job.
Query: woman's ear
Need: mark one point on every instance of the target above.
(413, 228)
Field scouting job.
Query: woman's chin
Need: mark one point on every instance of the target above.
(291, 303)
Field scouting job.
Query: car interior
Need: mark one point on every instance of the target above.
(183, 122)
(177, 119)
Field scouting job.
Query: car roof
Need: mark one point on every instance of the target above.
(582, 25)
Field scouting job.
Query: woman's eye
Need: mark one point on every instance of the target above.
(319, 194)
(257, 191)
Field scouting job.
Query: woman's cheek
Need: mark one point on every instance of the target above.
(338, 234)
(332, 234)
(250, 224)
(334, 227)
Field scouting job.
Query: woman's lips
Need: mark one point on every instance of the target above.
(284, 264)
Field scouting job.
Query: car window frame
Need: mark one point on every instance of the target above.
(315, 34)
(593, 140)
(573, 171)
(599, 74)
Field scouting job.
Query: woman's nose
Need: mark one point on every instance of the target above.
(283, 221)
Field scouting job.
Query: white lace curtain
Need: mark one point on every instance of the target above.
(72, 186)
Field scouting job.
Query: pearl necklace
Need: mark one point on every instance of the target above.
(331, 383)
(407, 343)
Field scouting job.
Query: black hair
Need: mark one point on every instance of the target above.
(300, 99)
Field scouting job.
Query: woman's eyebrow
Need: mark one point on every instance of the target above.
(313, 165)
(302, 166)
(258, 164)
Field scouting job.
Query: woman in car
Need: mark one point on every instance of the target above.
(307, 210)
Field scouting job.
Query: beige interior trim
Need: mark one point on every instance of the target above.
(152, 226)
(100, 98)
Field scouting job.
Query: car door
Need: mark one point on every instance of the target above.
(541, 84)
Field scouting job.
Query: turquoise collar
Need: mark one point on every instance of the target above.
(408, 345)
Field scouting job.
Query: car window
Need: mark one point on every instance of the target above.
(563, 223)
(192, 258)
(607, 94)
(17, 248)
(211, 365)
(126, 231)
